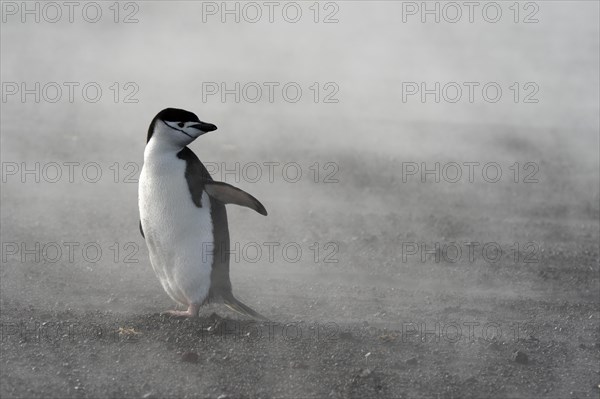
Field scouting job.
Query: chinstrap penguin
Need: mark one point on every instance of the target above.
(183, 218)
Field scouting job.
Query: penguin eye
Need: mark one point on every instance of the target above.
(180, 124)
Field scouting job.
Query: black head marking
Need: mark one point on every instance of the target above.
(171, 115)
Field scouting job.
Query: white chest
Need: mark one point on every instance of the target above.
(179, 235)
(165, 202)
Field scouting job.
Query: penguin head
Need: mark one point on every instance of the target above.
(178, 127)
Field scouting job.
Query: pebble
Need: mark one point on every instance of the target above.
(520, 357)
(364, 373)
(190, 357)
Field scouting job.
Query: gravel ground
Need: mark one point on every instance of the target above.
(366, 291)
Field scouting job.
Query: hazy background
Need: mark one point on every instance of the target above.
(170, 52)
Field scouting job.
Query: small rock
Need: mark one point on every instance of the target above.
(494, 346)
(412, 361)
(364, 373)
(471, 380)
(190, 357)
(391, 337)
(298, 365)
(520, 357)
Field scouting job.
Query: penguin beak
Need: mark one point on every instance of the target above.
(204, 127)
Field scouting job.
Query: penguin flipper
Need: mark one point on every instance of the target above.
(142, 230)
(239, 307)
(228, 194)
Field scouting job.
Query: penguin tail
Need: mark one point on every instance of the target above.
(239, 307)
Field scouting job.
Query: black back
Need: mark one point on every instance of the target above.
(172, 115)
(195, 174)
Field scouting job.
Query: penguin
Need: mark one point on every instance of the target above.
(183, 218)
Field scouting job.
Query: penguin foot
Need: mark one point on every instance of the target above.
(192, 311)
